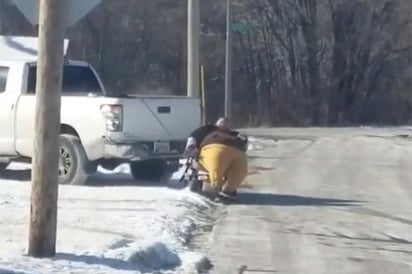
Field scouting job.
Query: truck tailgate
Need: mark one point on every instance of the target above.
(159, 118)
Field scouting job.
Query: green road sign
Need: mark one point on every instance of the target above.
(240, 27)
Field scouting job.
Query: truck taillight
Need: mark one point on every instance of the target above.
(113, 115)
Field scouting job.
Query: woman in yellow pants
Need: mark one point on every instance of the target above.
(226, 166)
(222, 154)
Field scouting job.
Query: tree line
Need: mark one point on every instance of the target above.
(295, 62)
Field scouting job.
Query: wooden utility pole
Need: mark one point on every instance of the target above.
(193, 43)
(43, 208)
(228, 67)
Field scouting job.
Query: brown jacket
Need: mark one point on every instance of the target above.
(224, 138)
(211, 134)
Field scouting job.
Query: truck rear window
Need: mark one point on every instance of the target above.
(76, 79)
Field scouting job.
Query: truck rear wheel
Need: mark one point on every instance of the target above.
(72, 161)
(3, 167)
(148, 170)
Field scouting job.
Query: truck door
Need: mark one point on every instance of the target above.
(6, 115)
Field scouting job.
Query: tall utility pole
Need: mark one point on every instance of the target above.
(193, 43)
(43, 208)
(228, 67)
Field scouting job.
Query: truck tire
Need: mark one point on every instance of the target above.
(148, 170)
(196, 185)
(3, 167)
(72, 161)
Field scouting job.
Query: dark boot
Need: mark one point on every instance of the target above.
(226, 197)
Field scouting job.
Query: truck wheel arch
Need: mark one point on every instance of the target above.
(67, 129)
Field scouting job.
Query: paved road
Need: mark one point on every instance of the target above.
(321, 201)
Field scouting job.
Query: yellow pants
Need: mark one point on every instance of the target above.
(226, 166)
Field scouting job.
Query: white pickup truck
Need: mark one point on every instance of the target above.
(96, 129)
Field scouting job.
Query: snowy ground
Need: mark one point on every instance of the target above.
(104, 227)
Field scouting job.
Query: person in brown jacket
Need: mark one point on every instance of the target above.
(221, 153)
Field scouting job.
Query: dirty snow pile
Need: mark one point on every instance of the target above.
(106, 229)
(259, 143)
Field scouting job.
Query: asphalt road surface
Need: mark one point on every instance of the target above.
(320, 201)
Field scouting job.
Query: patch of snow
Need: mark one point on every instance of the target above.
(259, 143)
(19, 166)
(121, 169)
(107, 229)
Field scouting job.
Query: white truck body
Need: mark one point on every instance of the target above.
(111, 129)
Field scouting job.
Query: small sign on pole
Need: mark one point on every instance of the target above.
(240, 27)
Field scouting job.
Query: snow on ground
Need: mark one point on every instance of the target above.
(109, 226)
(106, 229)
